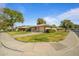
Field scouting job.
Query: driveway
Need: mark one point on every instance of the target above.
(9, 46)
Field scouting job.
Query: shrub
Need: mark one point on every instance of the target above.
(50, 31)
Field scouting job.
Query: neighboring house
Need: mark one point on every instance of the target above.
(60, 29)
(40, 28)
(22, 28)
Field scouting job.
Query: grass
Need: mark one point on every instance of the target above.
(45, 37)
(17, 32)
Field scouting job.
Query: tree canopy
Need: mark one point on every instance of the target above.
(54, 26)
(67, 24)
(10, 17)
(41, 21)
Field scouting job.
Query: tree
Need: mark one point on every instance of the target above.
(2, 19)
(67, 24)
(54, 26)
(41, 21)
(76, 26)
(12, 16)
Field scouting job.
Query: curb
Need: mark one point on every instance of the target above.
(75, 35)
(9, 47)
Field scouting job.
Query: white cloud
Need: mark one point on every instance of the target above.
(50, 20)
(72, 15)
(72, 12)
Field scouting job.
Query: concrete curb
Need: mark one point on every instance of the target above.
(9, 47)
(75, 44)
(75, 35)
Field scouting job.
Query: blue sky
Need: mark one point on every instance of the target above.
(53, 13)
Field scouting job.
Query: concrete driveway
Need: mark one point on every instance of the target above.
(9, 46)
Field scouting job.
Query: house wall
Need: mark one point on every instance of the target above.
(33, 29)
(38, 29)
(41, 28)
(22, 29)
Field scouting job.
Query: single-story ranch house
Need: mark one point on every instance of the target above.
(37, 28)
(40, 28)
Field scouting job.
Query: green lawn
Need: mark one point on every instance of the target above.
(45, 37)
(18, 32)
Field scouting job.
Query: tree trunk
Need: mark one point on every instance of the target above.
(65, 30)
(12, 27)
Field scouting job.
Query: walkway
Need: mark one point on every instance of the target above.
(9, 46)
(21, 35)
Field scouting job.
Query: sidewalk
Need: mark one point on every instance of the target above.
(41, 48)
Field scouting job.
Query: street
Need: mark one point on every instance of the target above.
(77, 32)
